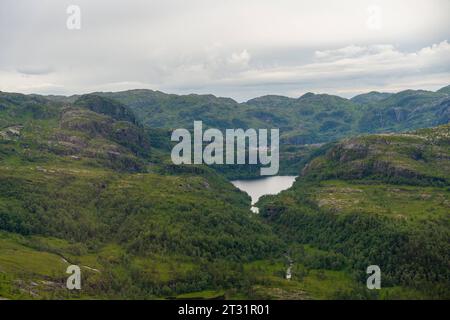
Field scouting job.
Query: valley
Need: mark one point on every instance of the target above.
(88, 180)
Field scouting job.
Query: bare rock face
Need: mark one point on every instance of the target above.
(106, 106)
(86, 121)
(11, 133)
(67, 144)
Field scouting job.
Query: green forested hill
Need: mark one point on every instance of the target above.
(303, 122)
(407, 110)
(312, 118)
(89, 188)
(378, 199)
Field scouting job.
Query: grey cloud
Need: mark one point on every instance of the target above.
(34, 70)
(231, 48)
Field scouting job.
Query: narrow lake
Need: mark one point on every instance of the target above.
(257, 188)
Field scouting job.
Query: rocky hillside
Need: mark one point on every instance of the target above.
(418, 157)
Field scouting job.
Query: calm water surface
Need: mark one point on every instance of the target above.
(257, 188)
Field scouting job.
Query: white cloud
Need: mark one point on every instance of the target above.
(346, 52)
(350, 66)
(240, 59)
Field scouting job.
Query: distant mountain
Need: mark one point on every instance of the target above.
(303, 122)
(272, 100)
(312, 118)
(370, 97)
(445, 90)
(406, 110)
(157, 109)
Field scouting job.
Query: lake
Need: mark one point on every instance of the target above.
(256, 188)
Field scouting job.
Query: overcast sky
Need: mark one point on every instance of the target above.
(234, 48)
